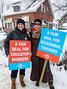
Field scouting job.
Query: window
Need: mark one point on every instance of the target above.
(9, 25)
(43, 8)
(50, 25)
(16, 8)
(47, 10)
(27, 25)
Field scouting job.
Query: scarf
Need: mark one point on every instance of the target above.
(36, 34)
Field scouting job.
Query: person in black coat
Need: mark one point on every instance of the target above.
(37, 62)
(19, 33)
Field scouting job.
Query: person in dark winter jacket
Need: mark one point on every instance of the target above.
(19, 33)
(37, 62)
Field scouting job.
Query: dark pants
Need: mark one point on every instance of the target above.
(14, 73)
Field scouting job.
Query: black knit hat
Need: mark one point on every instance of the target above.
(20, 21)
(38, 20)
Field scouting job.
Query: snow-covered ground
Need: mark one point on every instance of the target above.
(60, 77)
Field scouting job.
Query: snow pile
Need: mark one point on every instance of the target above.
(2, 36)
(3, 59)
(60, 77)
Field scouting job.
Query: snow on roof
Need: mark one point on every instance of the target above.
(35, 5)
(14, 1)
(33, 8)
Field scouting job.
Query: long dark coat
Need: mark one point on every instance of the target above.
(37, 64)
(15, 35)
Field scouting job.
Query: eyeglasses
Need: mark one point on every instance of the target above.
(37, 24)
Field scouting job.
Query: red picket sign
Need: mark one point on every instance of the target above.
(19, 51)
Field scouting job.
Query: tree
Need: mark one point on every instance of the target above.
(61, 5)
(3, 3)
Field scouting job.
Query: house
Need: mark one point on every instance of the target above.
(28, 10)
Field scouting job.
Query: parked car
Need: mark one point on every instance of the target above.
(63, 29)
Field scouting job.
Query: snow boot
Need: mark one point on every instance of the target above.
(21, 81)
(37, 84)
(13, 86)
(51, 85)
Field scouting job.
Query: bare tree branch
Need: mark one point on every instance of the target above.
(2, 4)
(60, 5)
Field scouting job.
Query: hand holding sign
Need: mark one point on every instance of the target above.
(9, 57)
(50, 46)
(20, 53)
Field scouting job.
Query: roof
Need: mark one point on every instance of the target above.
(33, 8)
(14, 1)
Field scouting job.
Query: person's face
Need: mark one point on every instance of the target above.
(20, 26)
(37, 26)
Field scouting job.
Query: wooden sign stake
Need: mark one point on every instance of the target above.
(43, 70)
